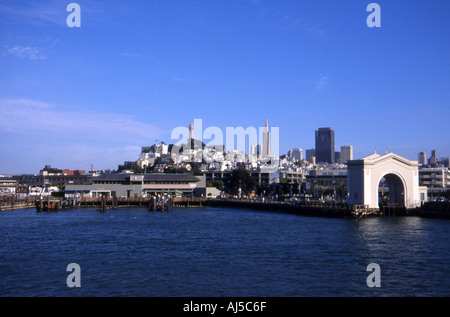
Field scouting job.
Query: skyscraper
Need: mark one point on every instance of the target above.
(310, 154)
(433, 159)
(346, 153)
(325, 145)
(337, 157)
(256, 150)
(296, 154)
(422, 158)
(266, 140)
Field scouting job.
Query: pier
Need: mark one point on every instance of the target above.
(187, 202)
(160, 204)
(434, 209)
(307, 208)
(54, 204)
(142, 202)
(10, 202)
(321, 209)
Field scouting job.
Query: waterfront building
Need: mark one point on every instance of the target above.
(49, 170)
(50, 180)
(139, 185)
(325, 145)
(73, 172)
(8, 185)
(292, 177)
(437, 180)
(327, 175)
(399, 175)
(212, 192)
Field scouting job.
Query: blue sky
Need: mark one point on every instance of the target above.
(135, 70)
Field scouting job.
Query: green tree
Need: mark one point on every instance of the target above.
(218, 184)
(241, 178)
(195, 169)
(173, 170)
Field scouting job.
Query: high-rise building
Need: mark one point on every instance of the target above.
(337, 157)
(433, 159)
(325, 145)
(266, 140)
(310, 154)
(346, 153)
(422, 158)
(256, 150)
(296, 154)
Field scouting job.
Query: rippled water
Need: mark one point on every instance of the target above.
(220, 252)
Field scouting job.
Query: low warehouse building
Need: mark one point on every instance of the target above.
(137, 185)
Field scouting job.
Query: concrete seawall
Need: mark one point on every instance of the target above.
(312, 209)
(435, 210)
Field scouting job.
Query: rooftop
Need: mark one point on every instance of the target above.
(147, 177)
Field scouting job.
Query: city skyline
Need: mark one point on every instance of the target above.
(72, 97)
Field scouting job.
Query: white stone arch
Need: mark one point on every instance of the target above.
(364, 177)
(402, 179)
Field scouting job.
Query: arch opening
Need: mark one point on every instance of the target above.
(391, 191)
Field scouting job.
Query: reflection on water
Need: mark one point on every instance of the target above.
(410, 251)
(220, 252)
(378, 234)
